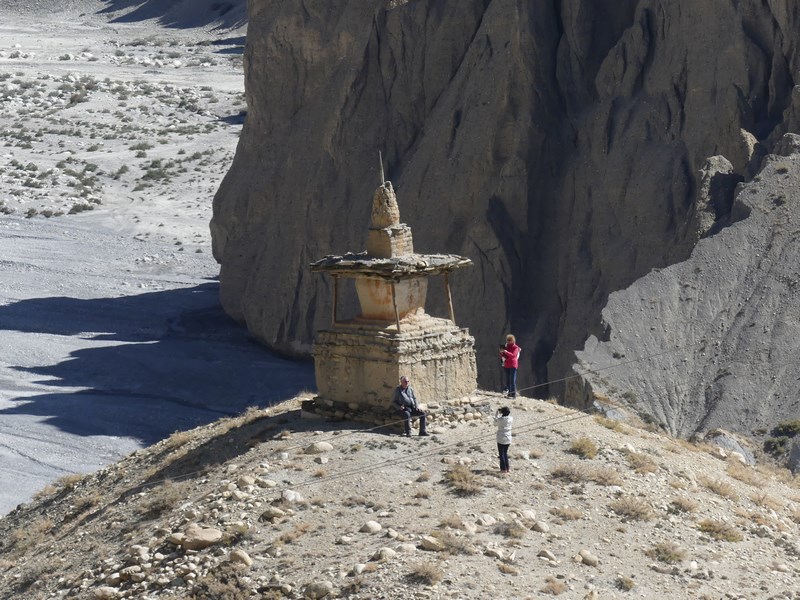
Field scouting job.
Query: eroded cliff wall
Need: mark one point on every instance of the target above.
(557, 144)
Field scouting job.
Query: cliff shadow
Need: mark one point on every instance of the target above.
(144, 365)
(180, 14)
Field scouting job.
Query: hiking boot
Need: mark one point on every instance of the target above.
(423, 434)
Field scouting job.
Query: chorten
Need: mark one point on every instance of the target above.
(358, 361)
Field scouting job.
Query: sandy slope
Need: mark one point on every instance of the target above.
(110, 333)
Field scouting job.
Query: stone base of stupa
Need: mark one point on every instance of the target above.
(358, 363)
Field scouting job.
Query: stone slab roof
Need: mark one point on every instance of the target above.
(396, 267)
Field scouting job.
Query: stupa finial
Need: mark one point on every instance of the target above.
(380, 160)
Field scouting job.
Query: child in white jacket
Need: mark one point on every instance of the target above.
(503, 420)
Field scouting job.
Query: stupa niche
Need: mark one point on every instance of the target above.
(359, 360)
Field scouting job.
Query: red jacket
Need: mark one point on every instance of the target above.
(510, 356)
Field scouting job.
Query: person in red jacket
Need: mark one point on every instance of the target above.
(509, 354)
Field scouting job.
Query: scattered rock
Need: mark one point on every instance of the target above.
(240, 556)
(317, 589)
(197, 537)
(371, 527)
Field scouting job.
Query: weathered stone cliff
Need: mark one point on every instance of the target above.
(559, 145)
(713, 342)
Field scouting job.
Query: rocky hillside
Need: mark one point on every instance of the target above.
(561, 147)
(274, 505)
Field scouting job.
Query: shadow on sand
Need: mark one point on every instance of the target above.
(180, 14)
(149, 364)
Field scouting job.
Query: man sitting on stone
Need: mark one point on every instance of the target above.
(405, 401)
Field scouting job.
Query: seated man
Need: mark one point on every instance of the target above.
(405, 401)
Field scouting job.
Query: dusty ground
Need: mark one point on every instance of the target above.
(116, 134)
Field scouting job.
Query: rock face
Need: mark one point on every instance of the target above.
(712, 341)
(557, 145)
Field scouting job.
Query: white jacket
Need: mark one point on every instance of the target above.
(503, 429)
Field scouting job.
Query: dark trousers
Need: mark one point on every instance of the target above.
(502, 450)
(511, 380)
(413, 412)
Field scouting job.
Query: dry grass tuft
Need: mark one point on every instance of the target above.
(583, 447)
(512, 530)
(507, 569)
(569, 472)
(668, 552)
(426, 573)
(553, 586)
(567, 513)
(423, 493)
(764, 500)
(163, 498)
(681, 504)
(604, 476)
(745, 474)
(298, 531)
(610, 424)
(632, 509)
(424, 476)
(33, 535)
(463, 480)
(626, 584)
(69, 481)
(720, 530)
(719, 487)
(453, 544)
(641, 463)
(451, 521)
(178, 439)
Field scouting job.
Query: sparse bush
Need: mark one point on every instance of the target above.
(604, 476)
(423, 492)
(632, 509)
(162, 498)
(719, 530)
(426, 573)
(766, 501)
(641, 463)
(623, 583)
(424, 476)
(511, 530)
(681, 504)
(610, 423)
(299, 530)
(453, 544)
(719, 487)
(567, 513)
(31, 535)
(744, 474)
(569, 472)
(668, 552)
(553, 586)
(228, 581)
(583, 447)
(463, 480)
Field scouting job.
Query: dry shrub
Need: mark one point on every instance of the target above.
(719, 487)
(626, 584)
(678, 484)
(295, 533)
(553, 586)
(764, 500)
(163, 498)
(604, 476)
(795, 515)
(569, 472)
(463, 480)
(426, 573)
(423, 492)
(320, 473)
(641, 463)
(424, 476)
(719, 530)
(178, 439)
(668, 552)
(567, 513)
(46, 491)
(512, 530)
(745, 474)
(228, 581)
(610, 424)
(452, 521)
(31, 535)
(69, 481)
(632, 509)
(583, 447)
(682, 504)
(507, 569)
(453, 544)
